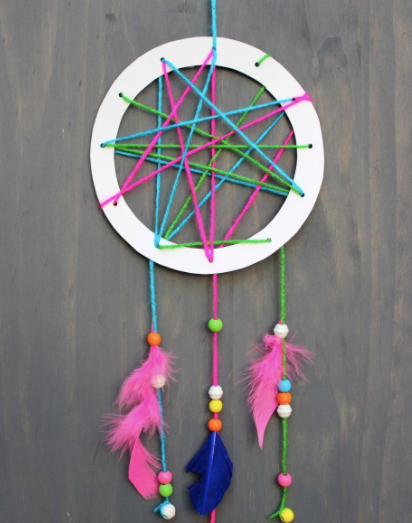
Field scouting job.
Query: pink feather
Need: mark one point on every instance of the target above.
(264, 374)
(135, 387)
(139, 397)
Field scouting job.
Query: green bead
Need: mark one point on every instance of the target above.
(166, 490)
(215, 325)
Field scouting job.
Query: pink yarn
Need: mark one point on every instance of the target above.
(129, 179)
(208, 251)
(252, 197)
(264, 374)
(148, 177)
(213, 179)
(215, 344)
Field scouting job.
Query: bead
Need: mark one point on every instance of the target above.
(285, 480)
(215, 325)
(284, 398)
(166, 490)
(214, 425)
(165, 477)
(154, 339)
(284, 385)
(281, 330)
(168, 511)
(215, 406)
(284, 411)
(287, 515)
(158, 381)
(215, 392)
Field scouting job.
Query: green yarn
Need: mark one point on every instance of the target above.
(209, 167)
(283, 303)
(215, 146)
(259, 62)
(216, 242)
(284, 362)
(135, 150)
(205, 134)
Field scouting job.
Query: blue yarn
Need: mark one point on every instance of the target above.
(235, 166)
(189, 138)
(159, 391)
(162, 431)
(160, 507)
(199, 120)
(159, 151)
(199, 171)
(153, 294)
(214, 23)
(234, 126)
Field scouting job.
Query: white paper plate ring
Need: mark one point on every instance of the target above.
(279, 83)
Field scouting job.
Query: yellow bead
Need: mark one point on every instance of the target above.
(215, 406)
(287, 515)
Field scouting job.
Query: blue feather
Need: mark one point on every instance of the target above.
(213, 464)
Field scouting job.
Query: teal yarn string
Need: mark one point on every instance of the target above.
(189, 138)
(280, 171)
(233, 169)
(185, 123)
(214, 23)
(199, 171)
(152, 287)
(153, 305)
(162, 431)
(159, 150)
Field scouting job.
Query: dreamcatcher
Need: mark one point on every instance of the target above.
(140, 398)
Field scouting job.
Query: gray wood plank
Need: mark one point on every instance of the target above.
(74, 297)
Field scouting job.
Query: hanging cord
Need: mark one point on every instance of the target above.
(284, 364)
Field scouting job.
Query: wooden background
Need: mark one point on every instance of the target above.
(73, 295)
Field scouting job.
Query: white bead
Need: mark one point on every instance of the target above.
(215, 392)
(168, 511)
(158, 381)
(284, 411)
(281, 330)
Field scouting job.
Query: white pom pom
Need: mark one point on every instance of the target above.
(168, 511)
(215, 392)
(284, 411)
(158, 381)
(281, 330)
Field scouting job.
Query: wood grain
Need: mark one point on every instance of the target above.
(73, 295)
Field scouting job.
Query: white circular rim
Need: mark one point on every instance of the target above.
(279, 82)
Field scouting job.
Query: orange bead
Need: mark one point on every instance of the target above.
(214, 425)
(154, 339)
(284, 398)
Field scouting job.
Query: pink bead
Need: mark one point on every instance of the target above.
(165, 477)
(285, 480)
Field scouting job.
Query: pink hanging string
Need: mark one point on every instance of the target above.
(213, 179)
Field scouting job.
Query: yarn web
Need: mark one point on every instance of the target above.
(196, 150)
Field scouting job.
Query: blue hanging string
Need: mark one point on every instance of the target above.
(235, 166)
(214, 23)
